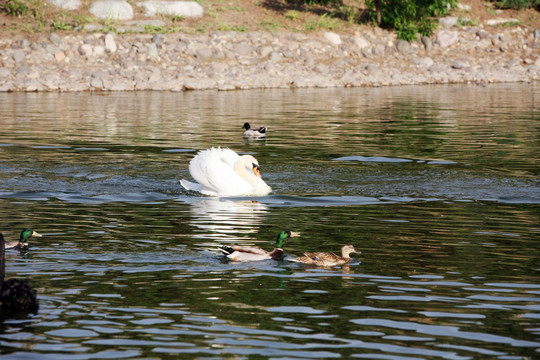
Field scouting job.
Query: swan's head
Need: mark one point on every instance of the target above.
(246, 126)
(26, 234)
(347, 250)
(248, 165)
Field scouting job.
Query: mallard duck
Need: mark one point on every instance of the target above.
(255, 132)
(15, 295)
(222, 172)
(327, 259)
(255, 253)
(23, 240)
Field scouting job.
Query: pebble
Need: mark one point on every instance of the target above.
(110, 44)
(236, 60)
(447, 38)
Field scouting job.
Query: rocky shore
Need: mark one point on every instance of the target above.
(96, 61)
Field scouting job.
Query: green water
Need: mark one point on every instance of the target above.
(437, 187)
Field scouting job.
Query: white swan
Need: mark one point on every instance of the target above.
(222, 172)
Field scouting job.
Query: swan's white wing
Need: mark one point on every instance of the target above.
(191, 186)
(213, 170)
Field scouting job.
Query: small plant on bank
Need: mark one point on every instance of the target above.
(467, 22)
(14, 8)
(237, 28)
(61, 23)
(323, 22)
(153, 29)
(408, 17)
(517, 4)
(270, 25)
(292, 15)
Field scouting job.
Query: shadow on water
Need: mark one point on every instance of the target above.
(437, 186)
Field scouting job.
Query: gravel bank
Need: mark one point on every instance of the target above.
(84, 61)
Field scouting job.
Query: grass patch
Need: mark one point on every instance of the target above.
(237, 28)
(324, 21)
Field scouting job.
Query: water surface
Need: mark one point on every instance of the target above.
(437, 186)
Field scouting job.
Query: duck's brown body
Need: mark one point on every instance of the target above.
(327, 259)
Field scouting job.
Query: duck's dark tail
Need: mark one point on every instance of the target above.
(17, 295)
(226, 250)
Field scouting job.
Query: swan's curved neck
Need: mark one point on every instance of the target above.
(244, 168)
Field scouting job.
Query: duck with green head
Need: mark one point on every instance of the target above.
(327, 259)
(255, 253)
(23, 239)
(16, 296)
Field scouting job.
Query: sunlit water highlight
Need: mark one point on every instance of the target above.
(437, 186)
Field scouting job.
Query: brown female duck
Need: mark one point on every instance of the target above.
(327, 259)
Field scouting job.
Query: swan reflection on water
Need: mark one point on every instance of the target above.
(220, 220)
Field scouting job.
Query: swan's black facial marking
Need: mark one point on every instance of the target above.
(256, 169)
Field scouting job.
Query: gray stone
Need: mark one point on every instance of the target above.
(425, 62)
(153, 51)
(51, 49)
(99, 50)
(360, 42)
(321, 68)
(158, 39)
(18, 56)
(186, 9)
(457, 65)
(447, 38)
(112, 9)
(372, 68)
(92, 27)
(4, 73)
(389, 50)
(366, 52)
(332, 38)
(428, 45)
(265, 51)
(96, 83)
(86, 50)
(55, 39)
(482, 34)
(299, 82)
(66, 4)
(309, 62)
(203, 53)
(498, 21)
(143, 23)
(536, 33)
(448, 21)
(275, 56)
(403, 46)
(110, 44)
(243, 49)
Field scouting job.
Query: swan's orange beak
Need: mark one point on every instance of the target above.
(257, 170)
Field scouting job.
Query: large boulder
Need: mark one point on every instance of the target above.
(112, 9)
(172, 8)
(66, 4)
